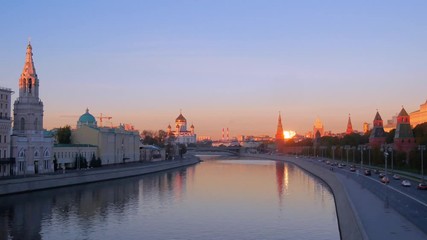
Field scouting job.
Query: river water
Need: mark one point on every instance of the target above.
(216, 199)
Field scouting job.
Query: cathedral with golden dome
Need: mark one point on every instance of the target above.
(181, 134)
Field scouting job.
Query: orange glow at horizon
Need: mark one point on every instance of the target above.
(289, 134)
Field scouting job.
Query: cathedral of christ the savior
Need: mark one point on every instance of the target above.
(31, 147)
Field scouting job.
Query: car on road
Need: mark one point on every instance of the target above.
(352, 169)
(367, 172)
(376, 171)
(422, 186)
(385, 180)
(381, 175)
(406, 183)
(396, 177)
(340, 165)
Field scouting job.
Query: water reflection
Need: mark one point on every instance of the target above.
(226, 199)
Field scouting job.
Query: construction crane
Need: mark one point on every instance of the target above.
(103, 117)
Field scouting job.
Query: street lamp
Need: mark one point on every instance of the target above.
(390, 149)
(361, 148)
(354, 151)
(384, 149)
(333, 152)
(369, 155)
(347, 147)
(422, 148)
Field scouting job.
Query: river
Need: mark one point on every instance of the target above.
(216, 199)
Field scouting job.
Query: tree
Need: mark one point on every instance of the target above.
(64, 135)
(55, 163)
(420, 133)
(93, 162)
(390, 136)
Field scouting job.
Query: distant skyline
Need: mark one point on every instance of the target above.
(232, 64)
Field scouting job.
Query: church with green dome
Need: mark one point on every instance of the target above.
(87, 119)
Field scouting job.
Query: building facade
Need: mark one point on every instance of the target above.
(66, 154)
(419, 116)
(115, 145)
(31, 146)
(6, 162)
(181, 134)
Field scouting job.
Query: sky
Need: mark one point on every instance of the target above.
(225, 63)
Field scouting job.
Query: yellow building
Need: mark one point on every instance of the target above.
(419, 116)
(115, 145)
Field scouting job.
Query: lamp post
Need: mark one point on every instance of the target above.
(361, 148)
(354, 151)
(422, 148)
(333, 152)
(347, 147)
(369, 154)
(390, 149)
(384, 149)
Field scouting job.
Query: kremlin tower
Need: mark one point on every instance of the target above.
(280, 137)
(378, 135)
(404, 137)
(349, 126)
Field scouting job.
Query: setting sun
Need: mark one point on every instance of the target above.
(289, 134)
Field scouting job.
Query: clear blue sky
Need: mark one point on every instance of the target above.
(225, 63)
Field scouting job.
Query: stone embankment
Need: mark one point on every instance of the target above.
(33, 183)
(348, 221)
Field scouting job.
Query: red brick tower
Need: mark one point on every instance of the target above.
(280, 137)
(404, 137)
(349, 126)
(378, 135)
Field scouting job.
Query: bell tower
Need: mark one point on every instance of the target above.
(28, 108)
(30, 146)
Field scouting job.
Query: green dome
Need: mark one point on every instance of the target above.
(87, 119)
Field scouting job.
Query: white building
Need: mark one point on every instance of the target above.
(5, 127)
(66, 154)
(181, 134)
(31, 147)
(114, 145)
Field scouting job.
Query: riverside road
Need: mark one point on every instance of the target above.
(408, 201)
(383, 211)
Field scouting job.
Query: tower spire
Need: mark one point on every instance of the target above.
(279, 132)
(349, 126)
(28, 82)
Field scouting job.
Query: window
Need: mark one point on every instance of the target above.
(0, 139)
(22, 124)
(4, 154)
(46, 164)
(5, 138)
(21, 166)
(36, 154)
